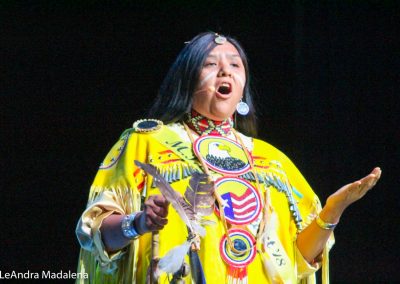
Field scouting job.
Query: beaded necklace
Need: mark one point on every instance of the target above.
(219, 198)
(237, 247)
(231, 246)
(204, 126)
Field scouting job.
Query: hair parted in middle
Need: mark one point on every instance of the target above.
(175, 95)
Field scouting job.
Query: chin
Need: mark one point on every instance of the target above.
(220, 116)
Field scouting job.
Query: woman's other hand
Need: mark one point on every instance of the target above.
(154, 215)
(351, 192)
(313, 238)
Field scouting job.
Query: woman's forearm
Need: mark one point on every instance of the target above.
(111, 233)
(152, 218)
(312, 240)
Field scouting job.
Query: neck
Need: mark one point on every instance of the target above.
(205, 126)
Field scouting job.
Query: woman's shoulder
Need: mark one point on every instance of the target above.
(143, 126)
(158, 136)
(265, 151)
(144, 129)
(152, 126)
(141, 131)
(265, 148)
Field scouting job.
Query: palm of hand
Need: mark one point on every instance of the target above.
(354, 191)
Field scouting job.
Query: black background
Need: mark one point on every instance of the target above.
(75, 74)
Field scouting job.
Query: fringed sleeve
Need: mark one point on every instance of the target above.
(309, 206)
(115, 190)
(306, 270)
(286, 176)
(108, 202)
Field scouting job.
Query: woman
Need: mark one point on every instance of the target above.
(267, 225)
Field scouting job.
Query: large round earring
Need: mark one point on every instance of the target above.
(242, 108)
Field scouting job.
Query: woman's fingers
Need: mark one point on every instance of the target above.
(355, 190)
(370, 180)
(156, 211)
(158, 204)
(161, 205)
(156, 219)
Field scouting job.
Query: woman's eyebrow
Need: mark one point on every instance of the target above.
(213, 56)
(233, 55)
(229, 55)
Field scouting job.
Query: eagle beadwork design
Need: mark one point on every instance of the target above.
(218, 155)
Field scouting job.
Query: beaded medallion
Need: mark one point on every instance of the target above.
(222, 155)
(242, 201)
(244, 244)
(242, 241)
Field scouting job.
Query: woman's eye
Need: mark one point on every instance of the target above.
(234, 64)
(210, 64)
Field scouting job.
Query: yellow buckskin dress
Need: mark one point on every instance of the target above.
(120, 188)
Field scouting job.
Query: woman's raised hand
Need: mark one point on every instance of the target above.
(352, 192)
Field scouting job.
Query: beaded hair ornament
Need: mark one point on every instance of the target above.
(219, 39)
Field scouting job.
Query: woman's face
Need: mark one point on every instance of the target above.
(221, 83)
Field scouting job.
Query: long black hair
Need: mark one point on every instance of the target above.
(174, 98)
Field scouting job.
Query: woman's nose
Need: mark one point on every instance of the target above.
(224, 71)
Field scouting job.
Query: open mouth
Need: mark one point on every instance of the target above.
(224, 89)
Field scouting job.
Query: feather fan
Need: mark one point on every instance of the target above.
(199, 194)
(186, 211)
(198, 202)
(173, 260)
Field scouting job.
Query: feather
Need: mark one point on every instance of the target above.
(198, 229)
(196, 268)
(199, 194)
(184, 210)
(173, 260)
